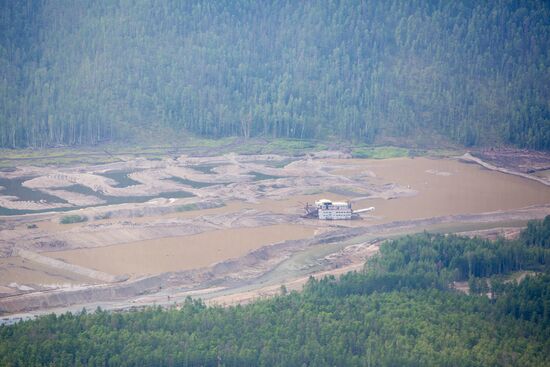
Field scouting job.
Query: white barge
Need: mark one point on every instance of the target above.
(337, 210)
(333, 210)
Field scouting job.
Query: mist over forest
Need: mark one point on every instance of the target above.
(274, 183)
(468, 72)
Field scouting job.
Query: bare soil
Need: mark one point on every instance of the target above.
(24, 272)
(533, 165)
(519, 160)
(180, 253)
(223, 238)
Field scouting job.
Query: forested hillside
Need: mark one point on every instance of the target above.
(401, 310)
(475, 72)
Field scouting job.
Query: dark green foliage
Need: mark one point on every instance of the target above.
(399, 312)
(455, 258)
(537, 233)
(89, 71)
(530, 300)
(409, 328)
(74, 218)
(434, 261)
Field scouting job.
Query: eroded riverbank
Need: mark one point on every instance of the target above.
(240, 205)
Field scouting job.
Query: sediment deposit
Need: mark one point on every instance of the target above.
(204, 222)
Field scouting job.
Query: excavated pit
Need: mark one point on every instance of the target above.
(231, 232)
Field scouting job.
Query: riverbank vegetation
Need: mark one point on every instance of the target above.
(402, 309)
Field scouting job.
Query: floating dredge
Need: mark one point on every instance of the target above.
(328, 210)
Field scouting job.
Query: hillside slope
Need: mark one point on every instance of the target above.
(85, 72)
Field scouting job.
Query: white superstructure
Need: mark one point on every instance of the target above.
(333, 210)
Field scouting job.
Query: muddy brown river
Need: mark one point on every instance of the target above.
(437, 187)
(180, 253)
(447, 187)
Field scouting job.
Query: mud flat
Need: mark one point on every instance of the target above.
(242, 229)
(71, 268)
(515, 160)
(16, 271)
(180, 253)
(528, 164)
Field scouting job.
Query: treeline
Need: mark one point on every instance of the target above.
(82, 73)
(437, 261)
(537, 233)
(400, 311)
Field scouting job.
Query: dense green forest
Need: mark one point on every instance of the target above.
(472, 72)
(401, 310)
